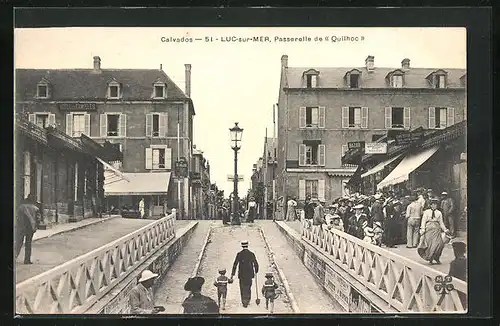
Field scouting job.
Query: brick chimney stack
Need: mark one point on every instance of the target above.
(370, 63)
(188, 79)
(405, 64)
(97, 64)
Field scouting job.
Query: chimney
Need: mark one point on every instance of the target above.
(405, 64)
(284, 61)
(161, 66)
(188, 79)
(97, 64)
(370, 62)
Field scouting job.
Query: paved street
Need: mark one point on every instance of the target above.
(412, 254)
(55, 250)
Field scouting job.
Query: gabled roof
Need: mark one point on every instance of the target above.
(86, 84)
(334, 77)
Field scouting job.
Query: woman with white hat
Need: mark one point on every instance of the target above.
(141, 297)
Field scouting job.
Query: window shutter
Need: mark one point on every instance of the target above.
(168, 158)
(52, 120)
(302, 155)
(364, 117)
(104, 125)
(149, 158)
(149, 122)
(406, 119)
(87, 124)
(123, 125)
(302, 189)
(69, 124)
(165, 124)
(345, 117)
(388, 117)
(321, 114)
(451, 116)
(162, 125)
(321, 189)
(432, 117)
(321, 154)
(32, 118)
(302, 117)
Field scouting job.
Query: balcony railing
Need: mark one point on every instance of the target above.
(73, 287)
(404, 284)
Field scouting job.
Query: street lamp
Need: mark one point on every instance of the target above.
(236, 132)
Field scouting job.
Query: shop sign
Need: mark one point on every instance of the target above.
(356, 145)
(376, 148)
(408, 138)
(339, 289)
(77, 106)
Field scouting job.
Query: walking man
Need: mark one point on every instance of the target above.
(141, 207)
(248, 268)
(414, 213)
(27, 219)
(448, 210)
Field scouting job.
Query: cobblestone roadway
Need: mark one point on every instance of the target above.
(60, 248)
(310, 297)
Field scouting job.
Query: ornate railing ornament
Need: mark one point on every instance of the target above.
(405, 285)
(73, 287)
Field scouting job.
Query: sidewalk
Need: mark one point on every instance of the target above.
(310, 297)
(412, 253)
(49, 252)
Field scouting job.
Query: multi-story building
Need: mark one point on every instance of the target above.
(200, 176)
(321, 110)
(263, 174)
(140, 111)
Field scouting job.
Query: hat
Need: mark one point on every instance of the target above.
(444, 193)
(458, 247)
(369, 231)
(222, 270)
(377, 196)
(434, 200)
(244, 244)
(269, 274)
(359, 206)
(147, 275)
(429, 190)
(194, 283)
(377, 223)
(335, 216)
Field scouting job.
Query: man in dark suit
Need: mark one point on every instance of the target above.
(248, 268)
(356, 222)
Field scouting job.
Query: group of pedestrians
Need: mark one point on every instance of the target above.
(142, 301)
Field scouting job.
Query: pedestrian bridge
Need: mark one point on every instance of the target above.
(332, 271)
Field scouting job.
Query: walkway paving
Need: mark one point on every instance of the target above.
(60, 228)
(52, 251)
(309, 295)
(171, 292)
(410, 253)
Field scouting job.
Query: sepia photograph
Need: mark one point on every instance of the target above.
(230, 170)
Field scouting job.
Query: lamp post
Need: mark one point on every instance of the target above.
(236, 132)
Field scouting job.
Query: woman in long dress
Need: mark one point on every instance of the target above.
(431, 243)
(291, 214)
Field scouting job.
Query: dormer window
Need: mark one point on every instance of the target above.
(353, 78)
(114, 90)
(159, 91)
(438, 79)
(311, 78)
(42, 89)
(397, 81)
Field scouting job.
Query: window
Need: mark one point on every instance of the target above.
(42, 120)
(354, 117)
(312, 117)
(397, 81)
(113, 91)
(354, 81)
(42, 91)
(158, 91)
(440, 81)
(158, 157)
(312, 188)
(312, 81)
(78, 125)
(311, 154)
(113, 124)
(440, 117)
(156, 124)
(397, 118)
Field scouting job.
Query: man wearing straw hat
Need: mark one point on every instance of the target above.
(248, 267)
(141, 297)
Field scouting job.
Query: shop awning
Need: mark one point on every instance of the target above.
(114, 171)
(406, 166)
(139, 184)
(380, 166)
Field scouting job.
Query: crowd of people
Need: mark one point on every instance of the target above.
(421, 220)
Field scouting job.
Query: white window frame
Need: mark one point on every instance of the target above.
(314, 81)
(397, 81)
(406, 118)
(363, 117)
(118, 93)
(162, 124)
(50, 122)
(313, 109)
(122, 125)
(70, 127)
(47, 93)
(440, 81)
(309, 183)
(164, 87)
(150, 157)
(350, 80)
(320, 155)
(449, 113)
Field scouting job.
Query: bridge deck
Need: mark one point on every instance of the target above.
(48, 253)
(409, 253)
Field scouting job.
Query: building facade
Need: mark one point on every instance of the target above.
(142, 112)
(200, 176)
(263, 174)
(321, 110)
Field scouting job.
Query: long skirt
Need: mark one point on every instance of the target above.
(431, 243)
(291, 215)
